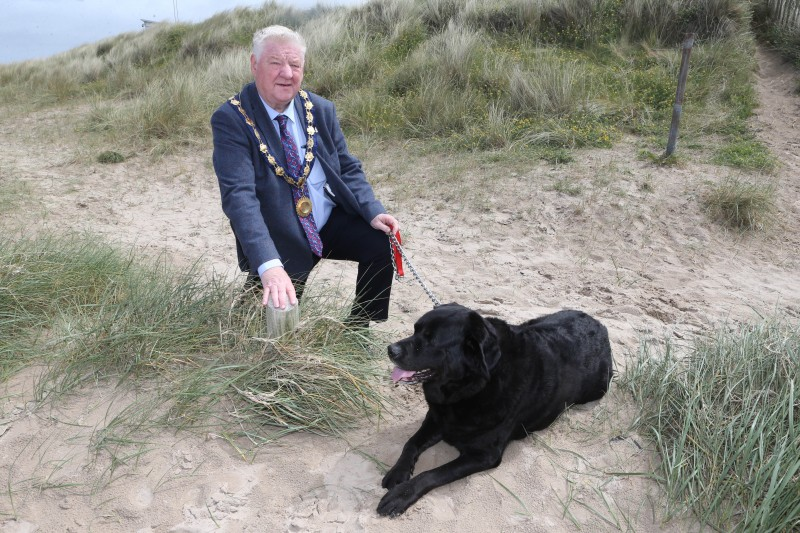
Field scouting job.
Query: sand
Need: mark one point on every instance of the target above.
(633, 247)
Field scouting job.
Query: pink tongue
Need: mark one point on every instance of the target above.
(399, 374)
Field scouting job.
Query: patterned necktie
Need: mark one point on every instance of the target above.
(295, 170)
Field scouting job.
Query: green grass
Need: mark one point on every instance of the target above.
(747, 154)
(110, 157)
(556, 155)
(724, 414)
(89, 313)
(568, 186)
(476, 76)
(741, 204)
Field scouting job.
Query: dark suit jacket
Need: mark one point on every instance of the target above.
(258, 203)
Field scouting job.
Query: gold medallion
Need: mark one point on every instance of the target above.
(303, 206)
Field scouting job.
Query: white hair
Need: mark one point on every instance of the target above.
(277, 33)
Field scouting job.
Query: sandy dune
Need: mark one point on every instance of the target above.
(634, 248)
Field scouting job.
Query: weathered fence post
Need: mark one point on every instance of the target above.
(280, 321)
(676, 108)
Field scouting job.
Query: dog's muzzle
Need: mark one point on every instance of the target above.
(401, 375)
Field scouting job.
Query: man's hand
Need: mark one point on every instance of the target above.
(278, 286)
(385, 223)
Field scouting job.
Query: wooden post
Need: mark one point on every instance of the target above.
(280, 321)
(676, 108)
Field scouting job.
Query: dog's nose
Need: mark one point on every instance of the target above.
(394, 351)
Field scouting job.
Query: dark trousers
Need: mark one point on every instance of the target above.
(350, 238)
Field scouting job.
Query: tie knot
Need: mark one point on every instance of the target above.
(282, 120)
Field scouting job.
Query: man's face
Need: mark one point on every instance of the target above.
(278, 73)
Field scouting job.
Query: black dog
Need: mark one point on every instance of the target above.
(487, 382)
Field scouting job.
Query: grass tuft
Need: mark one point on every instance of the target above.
(747, 154)
(89, 312)
(741, 205)
(110, 157)
(724, 414)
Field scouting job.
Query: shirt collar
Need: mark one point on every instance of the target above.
(289, 111)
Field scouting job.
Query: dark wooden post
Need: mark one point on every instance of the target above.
(677, 107)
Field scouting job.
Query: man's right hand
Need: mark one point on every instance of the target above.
(278, 287)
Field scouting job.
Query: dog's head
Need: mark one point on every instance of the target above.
(452, 352)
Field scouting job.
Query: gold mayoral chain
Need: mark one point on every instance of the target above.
(303, 205)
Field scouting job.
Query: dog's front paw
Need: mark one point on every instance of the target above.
(395, 476)
(397, 500)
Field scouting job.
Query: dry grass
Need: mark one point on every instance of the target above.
(741, 205)
(723, 412)
(88, 312)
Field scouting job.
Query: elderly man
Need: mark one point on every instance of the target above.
(292, 191)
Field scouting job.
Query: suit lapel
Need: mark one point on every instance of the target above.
(255, 108)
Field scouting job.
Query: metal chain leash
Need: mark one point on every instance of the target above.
(396, 244)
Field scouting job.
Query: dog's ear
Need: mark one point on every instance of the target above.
(482, 341)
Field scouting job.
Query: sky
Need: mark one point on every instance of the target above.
(34, 29)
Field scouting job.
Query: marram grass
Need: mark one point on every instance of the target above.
(724, 415)
(90, 313)
(741, 204)
(576, 73)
